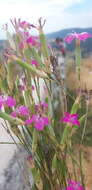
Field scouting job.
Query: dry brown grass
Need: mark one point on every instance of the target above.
(86, 165)
(85, 75)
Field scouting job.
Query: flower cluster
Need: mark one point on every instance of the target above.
(23, 30)
(38, 121)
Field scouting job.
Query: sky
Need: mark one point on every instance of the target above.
(59, 14)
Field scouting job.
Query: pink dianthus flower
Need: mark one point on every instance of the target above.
(70, 118)
(34, 62)
(10, 101)
(23, 110)
(81, 36)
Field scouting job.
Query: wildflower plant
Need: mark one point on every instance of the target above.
(46, 137)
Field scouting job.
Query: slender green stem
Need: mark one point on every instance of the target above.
(11, 119)
(37, 91)
(81, 169)
(47, 88)
(85, 124)
(8, 143)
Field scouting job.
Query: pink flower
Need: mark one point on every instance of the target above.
(73, 185)
(31, 40)
(34, 62)
(29, 121)
(81, 36)
(46, 120)
(44, 104)
(14, 114)
(25, 25)
(21, 87)
(38, 121)
(10, 101)
(23, 110)
(70, 118)
(39, 125)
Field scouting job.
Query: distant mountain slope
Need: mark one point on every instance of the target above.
(86, 46)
